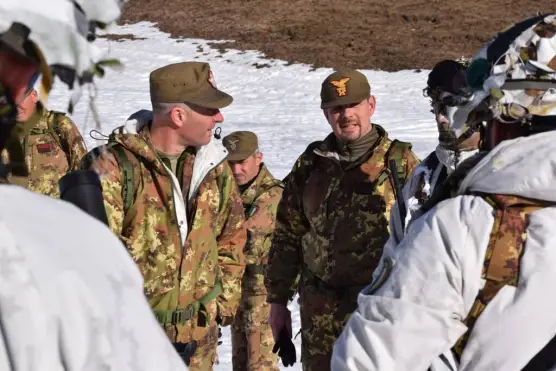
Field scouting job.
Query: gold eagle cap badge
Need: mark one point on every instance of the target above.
(340, 85)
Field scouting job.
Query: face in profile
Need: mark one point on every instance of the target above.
(27, 106)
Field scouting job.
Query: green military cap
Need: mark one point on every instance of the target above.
(342, 88)
(187, 82)
(240, 145)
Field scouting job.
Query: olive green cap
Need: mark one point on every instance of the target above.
(343, 88)
(187, 82)
(240, 145)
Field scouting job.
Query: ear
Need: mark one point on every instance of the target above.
(34, 96)
(178, 116)
(372, 105)
(259, 158)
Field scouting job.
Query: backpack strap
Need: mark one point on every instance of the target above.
(55, 128)
(127, 170)
(503, 254)
(396, 152)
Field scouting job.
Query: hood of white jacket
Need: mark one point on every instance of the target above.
(523, 167)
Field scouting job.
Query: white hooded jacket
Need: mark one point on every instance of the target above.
(415, 313)
(71, 297)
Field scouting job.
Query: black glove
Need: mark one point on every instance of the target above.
(285, 348)
(186, 350)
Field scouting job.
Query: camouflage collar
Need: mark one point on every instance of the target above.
(139, 143)
(252, 192)
(328, 147)
(135, 136)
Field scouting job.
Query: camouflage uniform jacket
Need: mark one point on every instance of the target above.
(53, 147)
(332, 221)
(260, 202)
(180, 253)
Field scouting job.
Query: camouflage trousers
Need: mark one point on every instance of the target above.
(205, 356)
(252, 339)
(323, 318)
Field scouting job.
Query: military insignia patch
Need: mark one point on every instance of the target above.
(211, 80)
(232, 144)
(44, 147)
(340, 85)
(381, 278)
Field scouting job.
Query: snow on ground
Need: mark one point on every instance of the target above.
(279, 103)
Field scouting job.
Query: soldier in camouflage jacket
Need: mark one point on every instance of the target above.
(252, 340)
(185, 228)
(332, 221)
(52, 147)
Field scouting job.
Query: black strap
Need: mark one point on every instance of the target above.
(398, 192)
(545, 359)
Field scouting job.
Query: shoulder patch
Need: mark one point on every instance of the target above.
(252, 211)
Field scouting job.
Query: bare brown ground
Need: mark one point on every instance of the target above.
(373, 34)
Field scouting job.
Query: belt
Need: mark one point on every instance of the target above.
(181, 316)
(174, 317)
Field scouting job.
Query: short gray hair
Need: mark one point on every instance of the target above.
(163, 108)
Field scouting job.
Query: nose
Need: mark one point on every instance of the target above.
(441, 119)
(236, 168)
(218, 118)
(346, 112)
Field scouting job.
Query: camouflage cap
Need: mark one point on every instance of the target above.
(187, 82)
(240, 145)
(346, 87)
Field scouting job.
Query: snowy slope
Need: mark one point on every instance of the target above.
(280, 103)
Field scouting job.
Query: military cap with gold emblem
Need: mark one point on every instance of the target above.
(241, 145)
(343, 88)
(187, 82)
